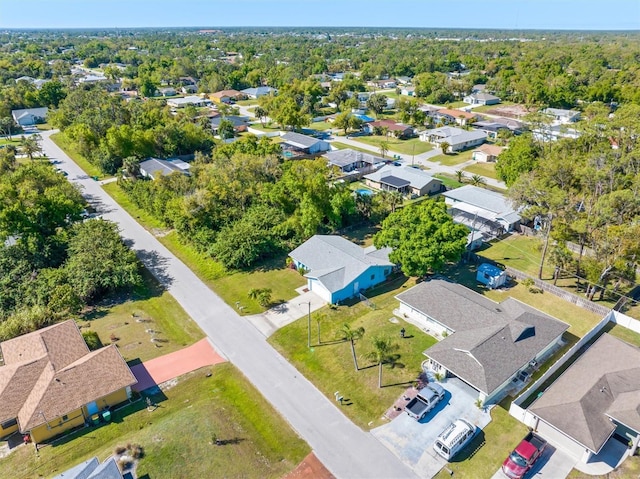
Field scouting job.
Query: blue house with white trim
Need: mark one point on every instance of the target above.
(337, 269)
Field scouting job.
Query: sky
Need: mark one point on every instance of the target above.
(494, 14)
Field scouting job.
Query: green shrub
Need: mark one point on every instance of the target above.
(92, 339)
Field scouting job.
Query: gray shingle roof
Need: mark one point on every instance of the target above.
(417, 178)
(154, 167)
(37, 112)
(604, 382)
(346, 157)
(483, 198)
(299, 140)
(454, 136)
(336, 261)
(491, 341)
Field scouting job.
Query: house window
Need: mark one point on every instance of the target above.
(65, 418)
(373, 276)
(9, 423)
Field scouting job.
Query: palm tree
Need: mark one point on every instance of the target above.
(392, 199)
(382, 349)
(460, 176)
(132, 166)
(384, 148)
(352, 335)
(477, 180)
(30, 145)
(445, 147)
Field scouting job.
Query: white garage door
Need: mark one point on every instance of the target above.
(559, 440)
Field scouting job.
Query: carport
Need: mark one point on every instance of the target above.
(412, 441)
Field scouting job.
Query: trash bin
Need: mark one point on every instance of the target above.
(106, 416)
(95, 419)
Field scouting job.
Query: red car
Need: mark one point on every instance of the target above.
(522, 458)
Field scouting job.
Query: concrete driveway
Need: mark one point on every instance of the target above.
(412, 441)
(553, 464)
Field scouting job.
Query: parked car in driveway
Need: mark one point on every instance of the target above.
(522, 458)
(454, 438)
(425, 401)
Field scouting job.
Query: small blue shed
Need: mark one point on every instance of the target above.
(491, 275)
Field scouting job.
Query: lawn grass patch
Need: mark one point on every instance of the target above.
(329, 363)
(65, 144)
(456, 104)
(518, 251)
(482, 169)
(129, 317)
(344, 146)
(452, 159)
(625, 334)
(177, 436)
(448, 180)
(15, 141)
(320, 125)
(412, 146)
(250, 102)
(484, 455)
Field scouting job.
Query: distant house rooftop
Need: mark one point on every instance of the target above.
(154, 167)
(342, 158)
(299, 140)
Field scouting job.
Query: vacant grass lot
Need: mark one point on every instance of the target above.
(482, 169)
(412, 146)
(343, 146)
(448, 180)
(329, 363)
(177, 436)
(128, 317)
(64, 143)
(485, 108)
(15, 141)
(452, 159)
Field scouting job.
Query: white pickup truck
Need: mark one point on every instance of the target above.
(425, 401)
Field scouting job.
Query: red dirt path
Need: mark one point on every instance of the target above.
(310, 468)
(170, 366)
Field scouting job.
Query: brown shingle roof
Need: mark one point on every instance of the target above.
(493, 150)
(457, 113)
(63, 378)
(229, 93)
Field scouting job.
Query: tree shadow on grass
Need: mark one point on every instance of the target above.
(157, 266)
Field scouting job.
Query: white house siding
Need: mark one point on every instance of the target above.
(466, 144)
(423, 320)
(560, 440)
(315, 286)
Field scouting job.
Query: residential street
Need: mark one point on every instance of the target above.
(347, 451)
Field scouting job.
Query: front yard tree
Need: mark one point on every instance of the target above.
(352, 335)
(342, 121)
(423, 237)
(382, 353)
(261, 114)
(377, 103)
(445, 147)
(30, 145)
(384, 148)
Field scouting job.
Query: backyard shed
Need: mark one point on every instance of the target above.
(491, 275)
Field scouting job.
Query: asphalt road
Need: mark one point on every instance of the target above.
(346, 450)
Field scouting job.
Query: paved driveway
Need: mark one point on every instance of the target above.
(412, 441)
(553, 464)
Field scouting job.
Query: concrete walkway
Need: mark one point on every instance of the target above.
(170, 366)
(286, 313)
(345, 449)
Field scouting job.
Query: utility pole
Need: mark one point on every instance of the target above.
(308, 324)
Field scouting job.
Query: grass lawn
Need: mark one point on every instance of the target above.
(482, 169)
(362, 235)
(405, 147)
(147, 220)
(269, 127)
(177, 436)
(625, 334)
(448, 180)
(251, 102)
(329, 364)
(518, 251)
(484, 455)
(456, 104)
(15, 141)
(64, 143)
(452, 159)
(44, 127)
(156, 309)
(320, 125)
(343, 146)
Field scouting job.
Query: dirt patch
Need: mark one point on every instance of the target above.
(117, 325)
(510, 111)
(310, 468)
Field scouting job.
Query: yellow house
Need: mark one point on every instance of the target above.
(227, 96)
(51, 382)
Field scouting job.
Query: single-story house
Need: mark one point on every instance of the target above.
(403, 131)
(90, 78)
(487, 153)
(562, 116)
(448, 116)
(408, 91)
(167, 91)
(403, 179)
(239, 123)
(349, 160)
(514, 125)
(155, 167)
(457, 138)
(491, 276)
(383, 84)
(476, 207)
(403, 80)
(30, 116)
(51, 382)
(596, 398)
(481, 99)
(479, 88)
(227, 96)
(189, 89)
(188, 100)
(297, 143)
(486, 344)
(255, 93)
(92, 469)
(491, 128)
(337, 269)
